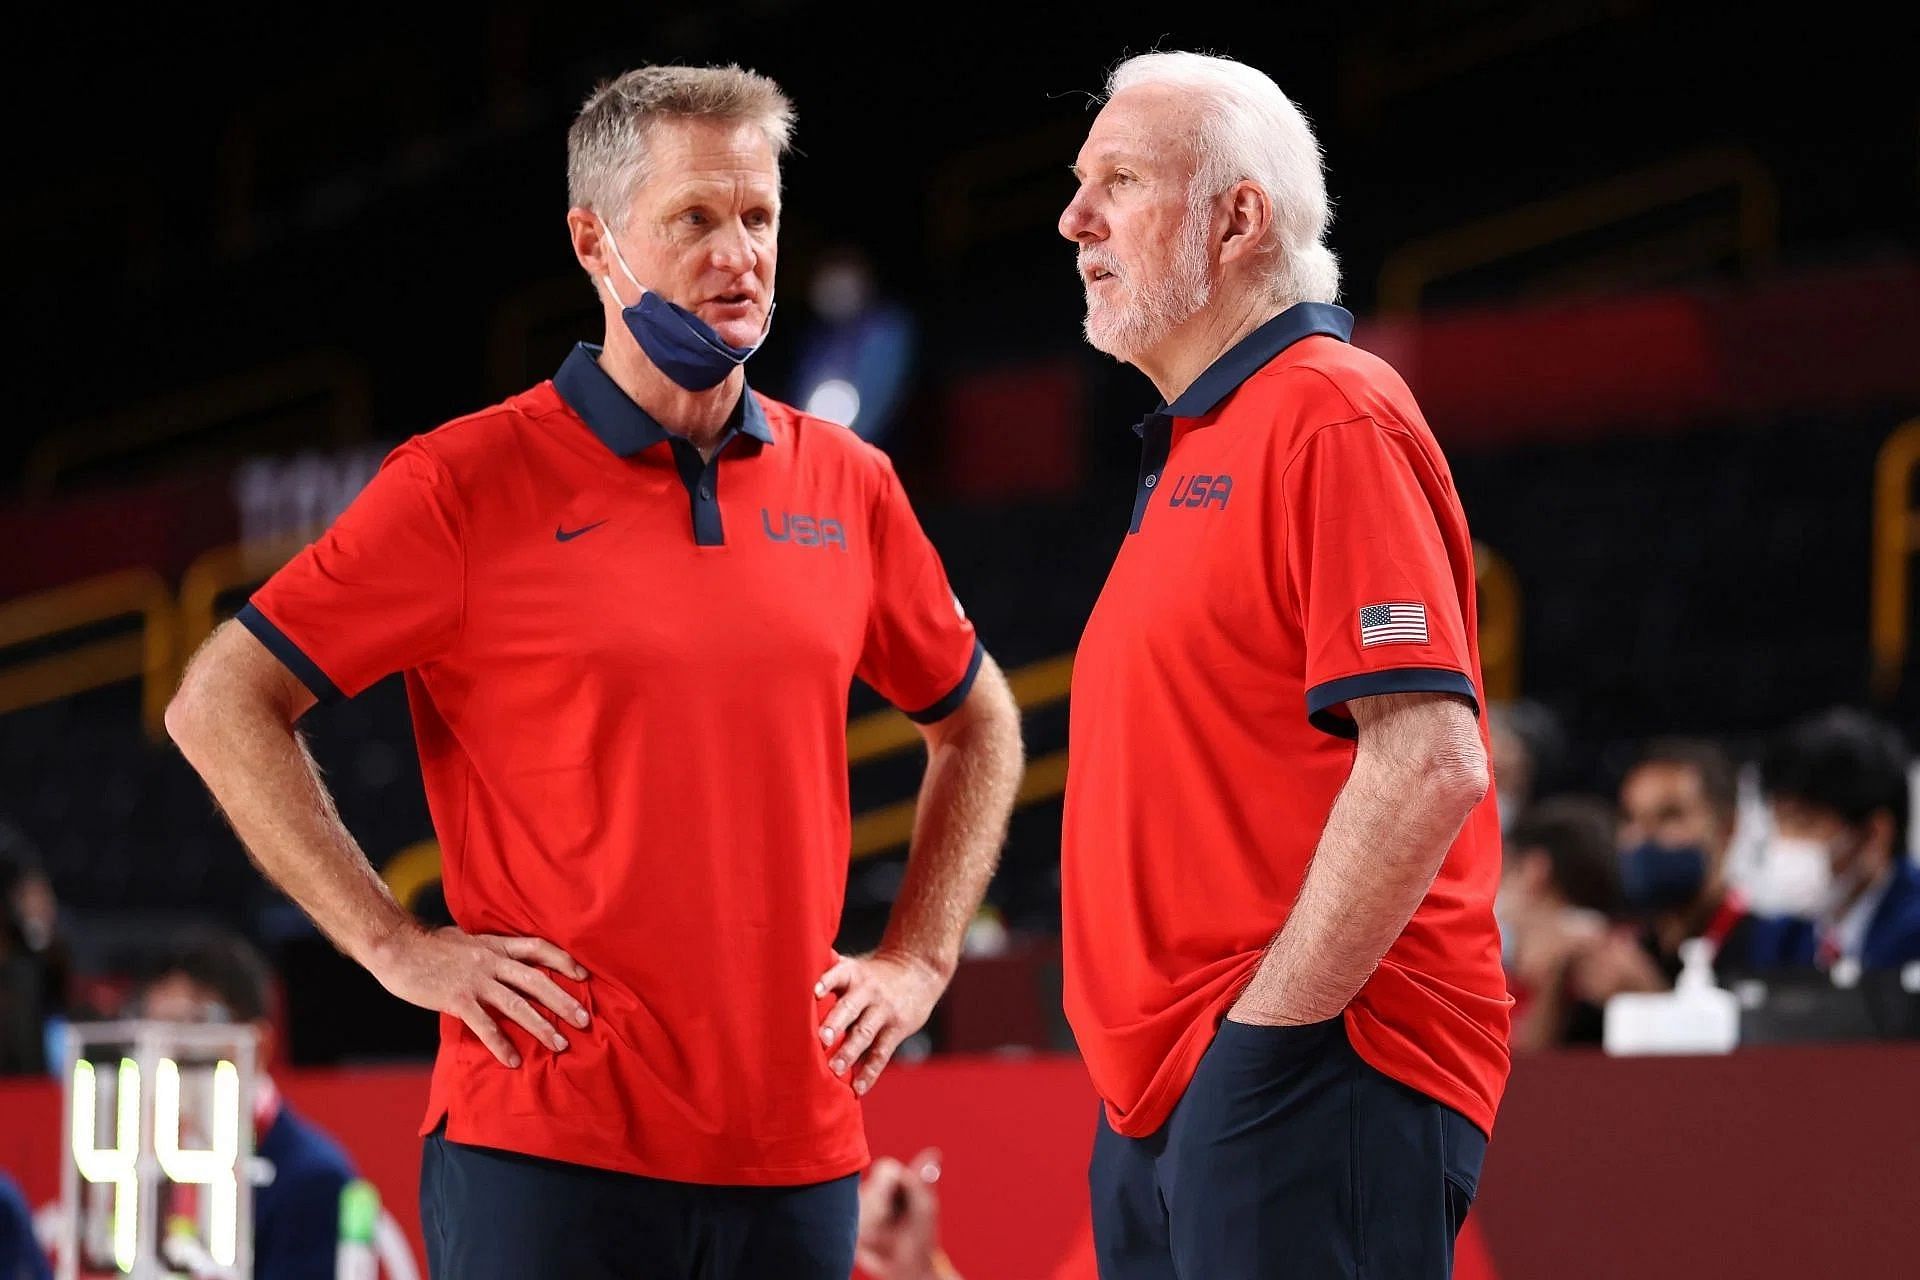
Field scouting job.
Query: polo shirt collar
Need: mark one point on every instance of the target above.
(1252, 353)
(623, 426)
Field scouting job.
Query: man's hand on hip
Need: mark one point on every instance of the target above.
(884, 997)
(467, 975)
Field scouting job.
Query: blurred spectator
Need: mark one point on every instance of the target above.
(1527, 746)
(33, 955)
(900, 1221)
(1677, 812)
(1837, 867)
(1559, 887)
(296, 1216)
(900, 1226)
(857, 355)
(20, 1255)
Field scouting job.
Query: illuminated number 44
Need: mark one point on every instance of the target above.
(214, 1167)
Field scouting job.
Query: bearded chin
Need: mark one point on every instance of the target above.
(1153, 311)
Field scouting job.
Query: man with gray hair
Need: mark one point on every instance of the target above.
(628, 604)
(1280, 851)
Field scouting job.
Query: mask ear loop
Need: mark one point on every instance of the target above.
(622, 260)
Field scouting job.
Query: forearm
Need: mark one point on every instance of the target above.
(1385, 838)
(959, 827)
(267, 785)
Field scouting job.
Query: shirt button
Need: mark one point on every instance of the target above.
(1150, 480)
(706, 493)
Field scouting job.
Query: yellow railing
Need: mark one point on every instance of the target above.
(47, 615)
(1412, 270)
(171, 629)
(884, 732)
(222, 570)
(1896, 536)
(411, 870)
(1499, 623)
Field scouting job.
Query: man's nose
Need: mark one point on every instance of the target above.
(1077, 220)
(733, 251)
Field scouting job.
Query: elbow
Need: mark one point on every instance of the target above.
(1458, 773)
(183, 715)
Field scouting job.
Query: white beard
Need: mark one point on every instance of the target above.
(1156, 308)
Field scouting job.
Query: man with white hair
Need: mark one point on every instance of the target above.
(1280, 851)
(629, 603)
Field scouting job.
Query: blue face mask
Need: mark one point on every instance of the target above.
(1654, 877)
(680, 344)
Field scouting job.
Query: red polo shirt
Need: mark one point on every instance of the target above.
(628, 671)
(1296, 543)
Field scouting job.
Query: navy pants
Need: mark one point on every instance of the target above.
(1289, 1157)
(491, 1215)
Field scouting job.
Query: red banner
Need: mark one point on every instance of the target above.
(1787, 1162)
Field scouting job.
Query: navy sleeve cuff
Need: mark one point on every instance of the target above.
(951, 703)
(306, 669)
(1323, 698)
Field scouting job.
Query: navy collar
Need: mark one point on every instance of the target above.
(624, 426)
(1252, 354)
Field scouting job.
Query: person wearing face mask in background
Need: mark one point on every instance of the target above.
(1837, 877)
(1676, 819)
(1677, 810)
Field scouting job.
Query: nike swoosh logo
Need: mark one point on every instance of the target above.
(568, 535)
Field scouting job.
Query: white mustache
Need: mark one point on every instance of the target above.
(1099, 262)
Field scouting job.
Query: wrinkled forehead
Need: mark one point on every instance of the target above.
(715, 155)
(1148, 126)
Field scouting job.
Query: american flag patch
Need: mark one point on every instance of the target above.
(1397, 623)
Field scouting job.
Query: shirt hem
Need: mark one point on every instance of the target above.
(528, 1140)
(955, 696)
(1325, 696)
(1155, 1107)
(290, 655)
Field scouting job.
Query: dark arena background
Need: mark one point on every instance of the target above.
(1652, 271)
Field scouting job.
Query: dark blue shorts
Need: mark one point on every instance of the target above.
(495, 1215)
(1290, 1157)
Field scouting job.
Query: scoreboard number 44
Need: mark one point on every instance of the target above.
(167, 1155)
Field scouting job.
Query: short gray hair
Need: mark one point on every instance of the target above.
(1250, 131)
(607, 158)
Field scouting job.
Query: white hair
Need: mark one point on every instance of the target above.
(1250, 131)
(607, 155)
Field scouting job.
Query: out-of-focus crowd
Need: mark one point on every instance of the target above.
(1791, 864)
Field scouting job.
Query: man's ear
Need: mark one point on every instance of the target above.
(589, 238)
(1249, 216)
